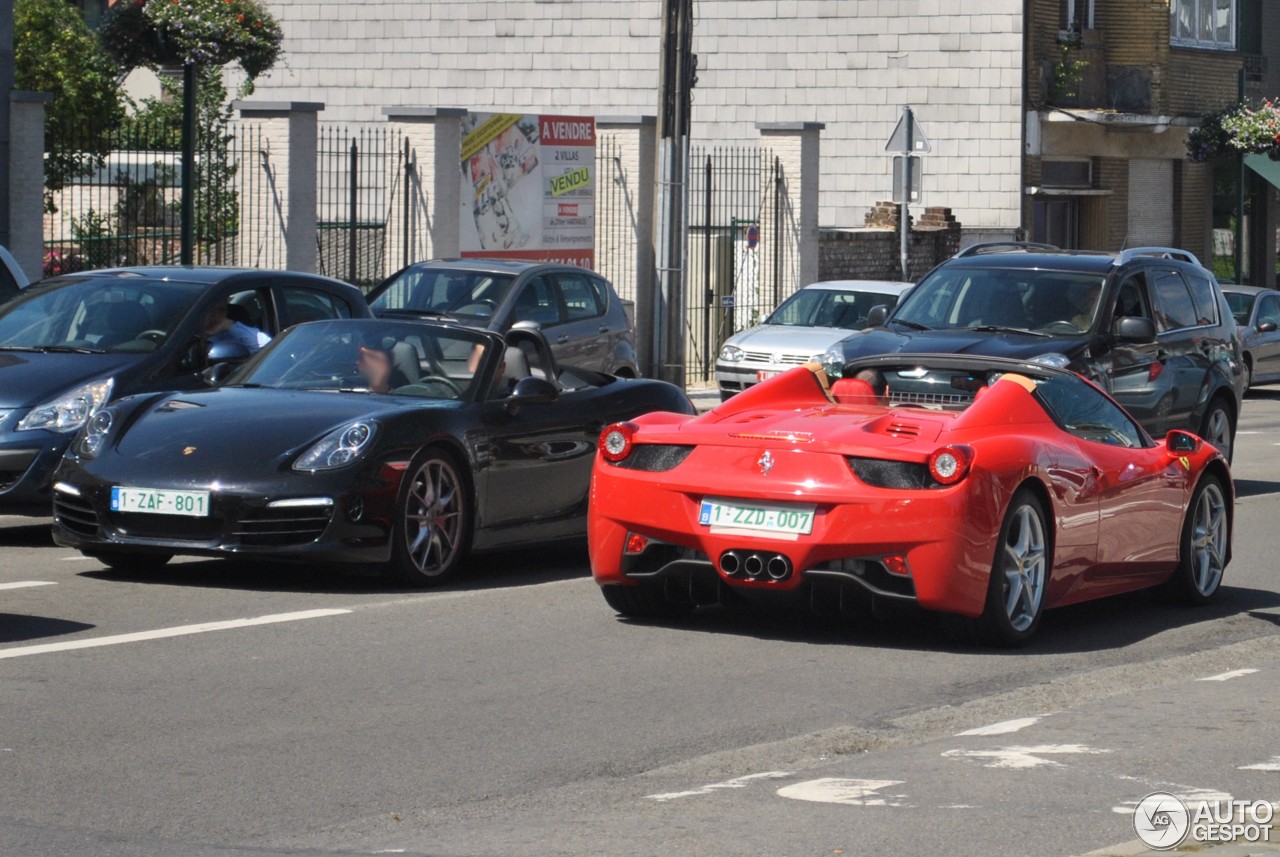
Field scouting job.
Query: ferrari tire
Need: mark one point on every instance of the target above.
(1019, 575)
(431, 529)
(119, 560)
(644, 601)
(1202, 550)
(1218, 428)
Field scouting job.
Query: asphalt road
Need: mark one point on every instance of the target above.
(220, 708)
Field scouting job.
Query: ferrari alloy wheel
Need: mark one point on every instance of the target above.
(126, 561)
(1217, 428)
(1203, 549)
(1019, 573)
(433, 521)
(644, 601)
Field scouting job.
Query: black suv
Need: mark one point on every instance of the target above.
(1148, 324)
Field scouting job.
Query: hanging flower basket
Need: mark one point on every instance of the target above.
(1236, 130)
(202, 32)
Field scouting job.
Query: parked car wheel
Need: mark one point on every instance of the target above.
(433, 521)
(1218, 428)
(1203, 548)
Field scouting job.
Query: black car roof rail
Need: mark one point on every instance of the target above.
(1006, 247)
(1161, 252)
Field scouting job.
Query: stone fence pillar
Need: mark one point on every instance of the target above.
(422, 221)
(26, 180)
(795, 145)
(277, 185)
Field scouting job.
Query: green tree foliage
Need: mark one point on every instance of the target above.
(56, 52)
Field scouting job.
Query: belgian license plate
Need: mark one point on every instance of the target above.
(770, 520)
(766, 374)
(155, 501)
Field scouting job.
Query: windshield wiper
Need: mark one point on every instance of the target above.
(996, 328)
(914, 325)
(54, 349)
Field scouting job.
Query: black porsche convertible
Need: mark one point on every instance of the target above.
(402, 443)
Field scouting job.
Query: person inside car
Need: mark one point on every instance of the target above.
(220, 327)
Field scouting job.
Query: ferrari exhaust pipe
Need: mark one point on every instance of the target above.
(778, 567)
(730, 563)
(754, 565)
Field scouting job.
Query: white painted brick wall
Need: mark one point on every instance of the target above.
(850, 64)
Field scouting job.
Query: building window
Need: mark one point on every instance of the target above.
(1076, 17)
(1203, 23)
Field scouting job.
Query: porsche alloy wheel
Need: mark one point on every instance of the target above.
(1203, 549)
(1019, 572)
(433, 521)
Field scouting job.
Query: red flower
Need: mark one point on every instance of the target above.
(239, 17)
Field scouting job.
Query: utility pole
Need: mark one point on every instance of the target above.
(676, 80)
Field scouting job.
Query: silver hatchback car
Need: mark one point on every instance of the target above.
(578, 311)
(801, 329)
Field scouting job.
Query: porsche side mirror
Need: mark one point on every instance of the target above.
(878, 315)
(533, 391)
(1132, 328)
(1181, 442)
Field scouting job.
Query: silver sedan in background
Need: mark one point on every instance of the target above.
(1257, 314)
(800, 330)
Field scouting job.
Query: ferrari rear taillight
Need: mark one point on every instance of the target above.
(615, 441)
(636, 544)
(950, 464)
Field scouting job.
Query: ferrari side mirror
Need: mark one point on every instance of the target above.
(1181, 442)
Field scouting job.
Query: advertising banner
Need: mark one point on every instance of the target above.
(528, 187)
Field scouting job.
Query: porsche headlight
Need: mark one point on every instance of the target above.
(70, 411)
(94, 436)
(833, 361)
(339, 447)
(732, 354)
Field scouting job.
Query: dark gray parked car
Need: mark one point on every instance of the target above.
(578, 311)
(1257, 313)
(1149, 325)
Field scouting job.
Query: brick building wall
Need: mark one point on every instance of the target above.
(875, 252)
(850, 64)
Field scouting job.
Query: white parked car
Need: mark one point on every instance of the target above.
(800, 330)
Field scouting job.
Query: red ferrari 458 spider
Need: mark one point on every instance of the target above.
(985, 489)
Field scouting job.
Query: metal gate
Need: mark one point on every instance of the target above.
(360, 170)
(743, 255)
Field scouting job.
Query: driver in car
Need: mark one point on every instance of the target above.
(219, 327)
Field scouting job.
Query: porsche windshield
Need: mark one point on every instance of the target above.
(1035, 301)
(444, 291)
(114, 314)
(374, 357)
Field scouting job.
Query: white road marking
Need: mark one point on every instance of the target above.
(1227, 676)
(81, 558)
(736, 783)
(1004, 727)
(1273, 765)
(162, 633)
(23, 584)
(842, 791)
(1190, 795)
(1023, 757)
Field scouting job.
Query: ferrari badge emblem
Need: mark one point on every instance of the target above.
(187, 450)
(765, 462)
(1186, 462)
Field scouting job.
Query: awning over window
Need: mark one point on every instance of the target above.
(1265, 167)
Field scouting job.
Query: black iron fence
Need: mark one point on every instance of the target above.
(113, 197)
(743, 251)
(362, 175)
